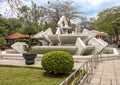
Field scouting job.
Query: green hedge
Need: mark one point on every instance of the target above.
(58, 62)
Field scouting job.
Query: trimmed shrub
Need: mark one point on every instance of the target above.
(57, 62)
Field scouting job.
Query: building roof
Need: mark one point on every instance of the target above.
(17, 36)
(99, 33)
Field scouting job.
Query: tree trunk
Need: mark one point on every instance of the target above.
(116, 34)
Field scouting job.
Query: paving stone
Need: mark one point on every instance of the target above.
(117, 69)
(97, 76)
(99, 70)
(95, 81)
(107, 73)
(118, 81)
(98, 73)
(117, 74)
(108, 81)
(91, 84)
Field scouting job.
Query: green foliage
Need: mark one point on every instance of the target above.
(9, 26)
(3, 26)
(40, 17)
(31, 14)
(14, 25)
(29, 28)
(29, 43)
(57, 62)
(27, 47)
(79, 77)
(108, 21)
(26, 40)
(3, 31)
(2, 41)
(52, 25)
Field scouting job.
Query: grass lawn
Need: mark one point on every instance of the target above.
(27, 76)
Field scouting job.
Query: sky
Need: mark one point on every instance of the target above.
(90, 7)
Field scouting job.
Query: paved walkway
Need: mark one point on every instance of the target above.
(18, 62)
(106, 73)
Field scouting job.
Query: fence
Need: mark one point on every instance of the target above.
(83, 73)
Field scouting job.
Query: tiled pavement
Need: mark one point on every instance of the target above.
(106, 73)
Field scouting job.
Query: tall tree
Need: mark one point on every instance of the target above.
(15, 25)
(58, 8)
(108, 21)
(31, 15)
(49, 13)
(9, 26)
(4, 26)
(14, 4)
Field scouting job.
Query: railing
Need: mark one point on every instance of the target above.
(83, 73)
(118, 52)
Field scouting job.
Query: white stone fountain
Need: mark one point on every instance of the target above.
(83, 45)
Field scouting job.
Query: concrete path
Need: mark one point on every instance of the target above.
(19, 62)
(106, 73)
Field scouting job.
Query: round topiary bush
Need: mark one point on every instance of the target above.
(57, 62)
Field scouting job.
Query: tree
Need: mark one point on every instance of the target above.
(31, 15)
(108, 21)
(2, 43)
(14, 25)
(9, 26)
(4, 26)
(23, 14)
(29, 29)
(3, 31)
(14, 4)
(50, 13)
(116, 27)
(56, 9)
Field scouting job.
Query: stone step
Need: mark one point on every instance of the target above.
(38, 58)
(17, 58)
(109, 58)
